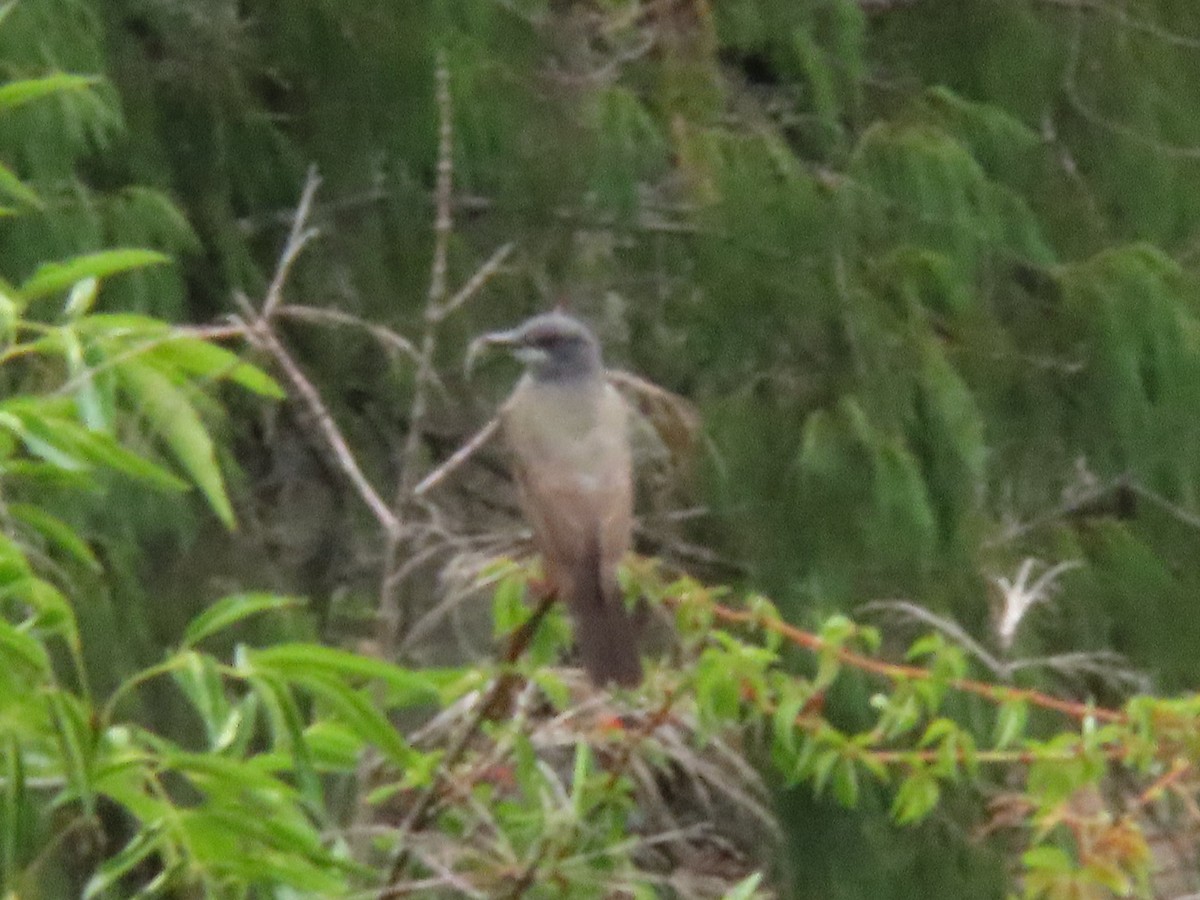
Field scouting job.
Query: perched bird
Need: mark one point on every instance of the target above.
(568, 432)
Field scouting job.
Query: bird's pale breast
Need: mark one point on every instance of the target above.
(578, 432)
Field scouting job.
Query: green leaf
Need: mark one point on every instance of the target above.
(405, 687)
(825, 762)
(288, 731)
(146, 842)
(17, 647)
(333, 745)
(917, 796)
(16, 93)
(784, 721)
(231, 610)
(551, 684)
(37, 445)
(14, 566)
(82, 297)
(359, 713)
(845, 783)
(13, 805)
(204, 360)
(200, 680)
(123, 325)
(717, 694)
(102, 449)
(74, 744)
(938, 730)
(227, 778)
(54, 611)
(60, 440)
(88, 400)
(926, 646)
(240, 726)
(52, 278)
(1053, 780)
(1010, 723)
(1047, 858)
(583, 767)
(263, 848)
(171, 414)
(1108, 873)
(56, 532)
(11, 185)
(745, 889)
(508, 606)
(837, 629)
(828, 667)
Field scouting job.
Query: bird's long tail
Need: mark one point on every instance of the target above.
(604, 629)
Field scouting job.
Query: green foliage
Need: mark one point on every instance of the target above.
(252, 805)
(927, 268)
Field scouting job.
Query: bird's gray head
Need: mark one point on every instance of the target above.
(553, 346)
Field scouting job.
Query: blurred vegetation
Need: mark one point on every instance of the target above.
(926, 269)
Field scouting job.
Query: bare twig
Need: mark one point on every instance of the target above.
(442, 228)
(481, 277)
(1185, 516)
(951, 629)
(460, 456)
(524, 881)
(1109, 666)
(256, 328)
(652, 723)
(391, 611)
(432, 617)
(388, 338)
(1135, 134)
(262, 336)
(298, 237)
(425, 887)
(1146, 27)
(437, 307)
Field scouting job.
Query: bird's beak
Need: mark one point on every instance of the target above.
(485, 342)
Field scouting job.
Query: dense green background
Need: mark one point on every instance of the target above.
(927, 268)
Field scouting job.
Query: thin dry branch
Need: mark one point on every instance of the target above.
(1144, 26)
(1108, 666)
(391, 607)
(260, 333)
(460, 456)
(476, 282)
(1133, 134)
(257, 328)
(298, 238)
(387, 338)
(950, 628)
(437, 307)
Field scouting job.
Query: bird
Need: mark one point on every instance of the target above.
(567, 431)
